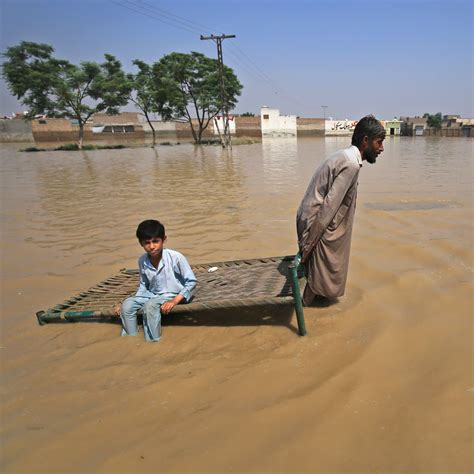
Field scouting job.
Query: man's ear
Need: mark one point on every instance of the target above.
(164, 238)
(365, 142)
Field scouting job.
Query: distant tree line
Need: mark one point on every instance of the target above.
(177, 87)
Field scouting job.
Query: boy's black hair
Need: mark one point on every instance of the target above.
(150, 229)
(369, 126)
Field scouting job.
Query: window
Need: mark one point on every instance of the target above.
(266, 116)
(119, 129)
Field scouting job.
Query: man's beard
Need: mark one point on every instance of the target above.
(370, 155)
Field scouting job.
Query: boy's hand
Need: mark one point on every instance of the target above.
(167, 306)
(117, 309)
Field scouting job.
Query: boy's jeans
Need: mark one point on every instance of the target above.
(151, 315)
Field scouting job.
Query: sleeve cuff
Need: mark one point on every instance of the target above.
(186, 294)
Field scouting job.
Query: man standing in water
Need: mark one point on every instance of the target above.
(326, 213)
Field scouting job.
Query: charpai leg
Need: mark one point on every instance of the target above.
(297, 295)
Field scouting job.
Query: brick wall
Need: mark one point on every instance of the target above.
(183, 131)
(310, 127)
(63, 131)
(124, 117)
(248, 127)
(444, 132)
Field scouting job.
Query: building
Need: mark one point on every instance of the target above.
(275, 125)
(467, 126)
(392, 127)
(219, 125)
(412, 126)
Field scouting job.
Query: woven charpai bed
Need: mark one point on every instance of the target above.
(220, 285)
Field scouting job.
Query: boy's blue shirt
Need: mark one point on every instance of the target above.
(173, 275)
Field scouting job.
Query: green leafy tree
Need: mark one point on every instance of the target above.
(188, 86)
(247, 114)
(143, 94)
(434, 121)
(61, 89)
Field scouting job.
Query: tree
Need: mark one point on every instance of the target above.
(188, 85)
(434, 121)
(143, 92)
(29, 70)
(247, 114)
(61, 89)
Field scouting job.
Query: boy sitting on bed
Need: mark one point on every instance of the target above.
(166, 279)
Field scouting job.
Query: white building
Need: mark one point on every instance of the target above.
(276, 125)
(218, 124)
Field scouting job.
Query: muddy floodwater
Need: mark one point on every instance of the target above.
(382, 383)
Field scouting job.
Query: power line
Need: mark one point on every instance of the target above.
(237, 51)
(169, 14)
(194, 25)
(226, 139)
(152, 15)
(179, 22)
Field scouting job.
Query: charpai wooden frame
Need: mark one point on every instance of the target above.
(230, 284)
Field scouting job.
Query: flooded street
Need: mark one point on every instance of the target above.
(382, 383)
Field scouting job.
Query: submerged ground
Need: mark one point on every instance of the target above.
(382, 383)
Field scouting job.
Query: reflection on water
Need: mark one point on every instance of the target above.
(410, 206)
(278, 159)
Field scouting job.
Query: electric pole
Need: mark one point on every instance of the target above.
(225, 137)
(324, 107)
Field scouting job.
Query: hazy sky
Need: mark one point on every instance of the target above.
(387, 57)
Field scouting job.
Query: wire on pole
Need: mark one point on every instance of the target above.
(226, 136)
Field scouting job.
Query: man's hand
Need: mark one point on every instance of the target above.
(167, 306)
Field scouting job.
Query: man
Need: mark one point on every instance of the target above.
(326, 213)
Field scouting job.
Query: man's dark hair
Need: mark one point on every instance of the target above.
(150, 229)
(369, 126)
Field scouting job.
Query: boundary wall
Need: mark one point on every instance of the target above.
(310, 127)
(59, 131)
(15, 131)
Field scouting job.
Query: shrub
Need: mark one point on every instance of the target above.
(68, 147)
(32, 148)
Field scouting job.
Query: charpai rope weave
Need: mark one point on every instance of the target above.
(234, 283)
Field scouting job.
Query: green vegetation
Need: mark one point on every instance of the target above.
(434, 121)
(187, 83)
(61, 89)
(32, 148)
(75, 147)
(247, 114)
(142, 92)
(178, 87)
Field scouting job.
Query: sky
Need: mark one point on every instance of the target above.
(391, 58)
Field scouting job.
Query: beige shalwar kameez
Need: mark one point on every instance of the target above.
(326, 215)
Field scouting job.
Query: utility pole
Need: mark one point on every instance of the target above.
(324, 107)
(225, 137)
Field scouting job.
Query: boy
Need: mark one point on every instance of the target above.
(166, 279)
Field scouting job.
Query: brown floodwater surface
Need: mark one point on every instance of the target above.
(382, 383)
